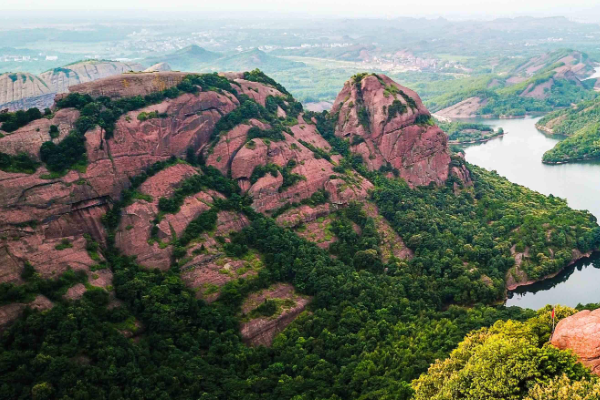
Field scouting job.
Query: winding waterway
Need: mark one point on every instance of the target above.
(517, 156)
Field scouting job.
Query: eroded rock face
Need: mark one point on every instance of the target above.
(128, 85)
(29, 138)
(41, 212)
(15, 87)
(262, 330)
(581, 333)
(388, 123)
(10, 312)
(21, 91)
(234, 153)
(60, 79)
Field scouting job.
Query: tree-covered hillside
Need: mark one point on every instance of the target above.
(510, 360)
(581, 125)
(373, 324)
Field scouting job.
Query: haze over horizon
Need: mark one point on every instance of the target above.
(582, 10)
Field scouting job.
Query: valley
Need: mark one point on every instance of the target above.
(517, 156)
(273, 207)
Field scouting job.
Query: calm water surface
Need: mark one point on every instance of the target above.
(517, 156)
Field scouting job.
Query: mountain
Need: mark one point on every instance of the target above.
(22, 90)
(190, 58)
(160, 67)
(195, 58)
(255, 58)
(540, 84)
(59, 79)
(161, 229)
(581, 125)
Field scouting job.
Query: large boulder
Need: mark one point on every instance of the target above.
(581, 333)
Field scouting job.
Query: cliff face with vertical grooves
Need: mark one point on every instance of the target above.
(59, 79)
(388, 125)
(20, 91)
(23, 90)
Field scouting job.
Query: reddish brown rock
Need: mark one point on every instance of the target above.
(133, 234)
(129, 85)
(75, 292)
(49, 257)
(29, 138)
(10, 312)
(581, 333)
(364, 115)
(164, 183)
(209, 268)
(261, 331)
(221, 155)
(302, 215)
(256, 91)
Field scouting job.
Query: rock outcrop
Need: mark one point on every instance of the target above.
(387, 124)
(581, 333)
(262, 330)
(467, 108)
(60, 79)
(21, 91)
(45, 216)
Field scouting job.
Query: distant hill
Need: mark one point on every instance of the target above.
(251, 59)
(160, 67)
(582, 126)
(25, 90)
(540, 84)
(59, 79)
(190, 58)
(196, 59)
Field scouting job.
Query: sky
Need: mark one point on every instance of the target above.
(488, 9)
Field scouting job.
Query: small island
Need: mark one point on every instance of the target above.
(469, 132)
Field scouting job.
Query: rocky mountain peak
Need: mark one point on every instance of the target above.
(388, 125)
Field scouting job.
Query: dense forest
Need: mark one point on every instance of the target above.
(510, 360)
(372, 327)
(581, 125)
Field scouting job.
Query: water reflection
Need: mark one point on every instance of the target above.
(517, 156)
(576, 284)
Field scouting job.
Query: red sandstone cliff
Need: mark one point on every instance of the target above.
(388, 123)
(67, 207)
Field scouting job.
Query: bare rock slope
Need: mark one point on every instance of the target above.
(21, 91)
(46, 216)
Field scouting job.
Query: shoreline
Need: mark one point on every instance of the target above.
(572, 160)
(491, 116)
(544, 129)
(510, 288)
(483, 140)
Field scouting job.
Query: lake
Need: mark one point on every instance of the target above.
(517, 156)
